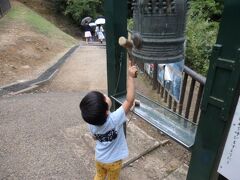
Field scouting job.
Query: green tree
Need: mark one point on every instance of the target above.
(208, 9)
(79, 9)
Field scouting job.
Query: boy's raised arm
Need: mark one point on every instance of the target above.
(128, 103)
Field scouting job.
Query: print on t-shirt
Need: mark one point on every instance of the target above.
(108, 136)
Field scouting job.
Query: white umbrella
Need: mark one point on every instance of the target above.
(92, 24)
(100, 21)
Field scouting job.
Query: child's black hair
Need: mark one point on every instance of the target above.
(94, 108)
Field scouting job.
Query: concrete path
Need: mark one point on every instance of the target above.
(85, 70)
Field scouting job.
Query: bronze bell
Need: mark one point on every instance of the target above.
(158, 32)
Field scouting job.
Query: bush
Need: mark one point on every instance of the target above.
(79, 9)
(201, 32)
(201, 36)
(130, 24)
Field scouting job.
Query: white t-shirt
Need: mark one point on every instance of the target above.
(111, 143)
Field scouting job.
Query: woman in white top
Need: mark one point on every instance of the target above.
(99, 31)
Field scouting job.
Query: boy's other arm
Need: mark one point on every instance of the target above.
(128, 103)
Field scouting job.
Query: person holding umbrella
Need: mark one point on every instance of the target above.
(87, 29)
(87, 32)
(99, 29)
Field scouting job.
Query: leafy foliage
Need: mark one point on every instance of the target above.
(79, 9)
(207, 9)
(202, 28)
(130, 24)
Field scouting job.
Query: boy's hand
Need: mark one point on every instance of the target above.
(132, 70)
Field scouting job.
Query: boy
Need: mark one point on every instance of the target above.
(107, 128)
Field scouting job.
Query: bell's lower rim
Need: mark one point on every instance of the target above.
(158, 60)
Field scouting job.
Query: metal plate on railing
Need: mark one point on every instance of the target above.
(177, 127)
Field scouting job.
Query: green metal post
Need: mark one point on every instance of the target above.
(220, 96)
(116, 26)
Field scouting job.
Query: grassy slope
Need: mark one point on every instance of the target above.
(21, 13)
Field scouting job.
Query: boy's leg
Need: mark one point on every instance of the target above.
(101, 172)
(114, 170)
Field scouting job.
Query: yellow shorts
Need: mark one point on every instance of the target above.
(111, 170)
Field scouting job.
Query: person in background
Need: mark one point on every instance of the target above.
(93, 33)
(100, 33)
(87, 32)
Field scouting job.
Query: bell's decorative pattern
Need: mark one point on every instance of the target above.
(158, 33)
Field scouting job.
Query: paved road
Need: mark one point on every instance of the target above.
(38, 136)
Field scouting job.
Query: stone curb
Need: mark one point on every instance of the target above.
(25, 86)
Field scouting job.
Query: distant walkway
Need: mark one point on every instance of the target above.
(86, 69)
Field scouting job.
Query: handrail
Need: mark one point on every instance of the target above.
(198, 77)
(191, 94)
